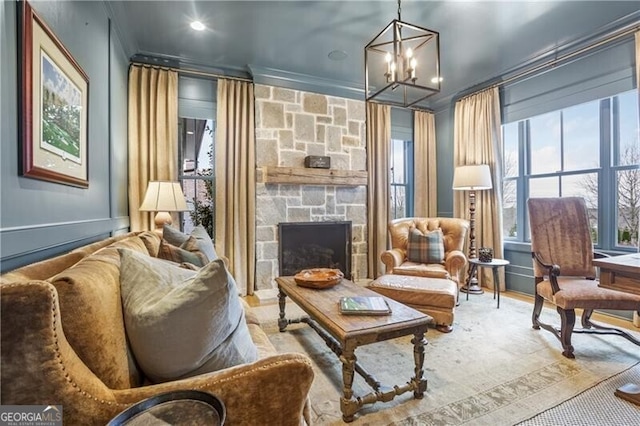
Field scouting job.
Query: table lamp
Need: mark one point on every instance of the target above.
(163, 197)
(472, 178)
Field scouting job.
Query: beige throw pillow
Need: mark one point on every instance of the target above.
(181, 323)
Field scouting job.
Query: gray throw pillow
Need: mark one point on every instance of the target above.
(174, 237)
(181, 323)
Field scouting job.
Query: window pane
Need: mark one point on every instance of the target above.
(510, 140)
(544, 187)
(545, 143)
(585, 186)
(581, 136)
(397, 161)
(509, 192)
(628, 206)
(398, 201)
(628, 152)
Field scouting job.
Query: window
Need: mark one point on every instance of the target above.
(401, 179)
(196, 156)
(589, 150)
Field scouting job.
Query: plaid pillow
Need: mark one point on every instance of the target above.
(188, 252)
(425, 248)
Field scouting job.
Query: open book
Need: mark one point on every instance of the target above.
(364, 305)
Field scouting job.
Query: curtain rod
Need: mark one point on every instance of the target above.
(632, 28)
(193, 72)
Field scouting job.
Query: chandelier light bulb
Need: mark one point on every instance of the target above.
(409, 53)
(198, 26)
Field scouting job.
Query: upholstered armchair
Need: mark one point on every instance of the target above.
(454, 233)
(564, 272)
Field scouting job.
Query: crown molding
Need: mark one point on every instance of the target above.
(305, 82)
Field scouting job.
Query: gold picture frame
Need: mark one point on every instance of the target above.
(54, 102)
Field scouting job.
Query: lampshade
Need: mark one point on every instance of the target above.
(472, 177)
(164, 197)
(402, 64)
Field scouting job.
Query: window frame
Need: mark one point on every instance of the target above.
(609, 144)
(408, 177)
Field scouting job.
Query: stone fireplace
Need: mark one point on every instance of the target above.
(304, 245)
(290, 125)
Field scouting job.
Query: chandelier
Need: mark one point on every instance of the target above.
(402, 64)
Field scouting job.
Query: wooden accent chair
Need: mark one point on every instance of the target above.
(454, 236)
(564, 273)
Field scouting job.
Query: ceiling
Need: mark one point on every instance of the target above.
(479, 40)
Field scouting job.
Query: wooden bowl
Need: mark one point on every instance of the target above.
(318, 277)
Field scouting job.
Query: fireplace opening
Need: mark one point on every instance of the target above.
(304, 245)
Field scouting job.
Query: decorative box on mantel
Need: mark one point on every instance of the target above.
(317, 162)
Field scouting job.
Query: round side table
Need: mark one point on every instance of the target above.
(494, 265)
(177, 408)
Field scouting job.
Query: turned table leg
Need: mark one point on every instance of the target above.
(419, 342)
(282, 321)
(348, 405)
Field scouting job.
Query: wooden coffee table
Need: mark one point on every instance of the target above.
(344, 333)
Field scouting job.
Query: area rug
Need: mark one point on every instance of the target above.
(493, 369)
(595, 406)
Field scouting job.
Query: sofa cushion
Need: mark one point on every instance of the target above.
(188, 252)
(96, 331)
(151, 241)
(179, 322)
(427, 247)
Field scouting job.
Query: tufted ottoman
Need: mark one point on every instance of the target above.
(434, 296)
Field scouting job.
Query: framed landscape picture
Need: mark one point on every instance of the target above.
(53, 106)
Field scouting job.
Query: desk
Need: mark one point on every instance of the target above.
(494, 265)
(622, 273)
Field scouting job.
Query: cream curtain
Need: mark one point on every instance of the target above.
(153, 135)
(235, 180)
(477, 140)
(378, 144)
(425, 171)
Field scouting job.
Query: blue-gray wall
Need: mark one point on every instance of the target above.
(39, 219)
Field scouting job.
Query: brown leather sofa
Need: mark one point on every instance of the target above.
(455, 234)
(64, 343)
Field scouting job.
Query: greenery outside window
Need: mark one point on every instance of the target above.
(196, 157)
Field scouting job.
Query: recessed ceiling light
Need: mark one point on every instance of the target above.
(436, 80)
(198, 26)
(189, 132)
(338, 55)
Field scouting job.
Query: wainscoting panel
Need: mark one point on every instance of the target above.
(23, 245)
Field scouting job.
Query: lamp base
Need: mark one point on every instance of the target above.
(472, 289)
(161, 219)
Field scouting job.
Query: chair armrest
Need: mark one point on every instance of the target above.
(552, 270)
(455, 262)
(272, 390)
(392, 258)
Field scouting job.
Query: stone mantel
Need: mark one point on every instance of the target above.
(311, 176)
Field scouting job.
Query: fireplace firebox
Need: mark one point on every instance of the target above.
(304, 245)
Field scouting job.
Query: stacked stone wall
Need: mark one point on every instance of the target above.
(290, 125)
